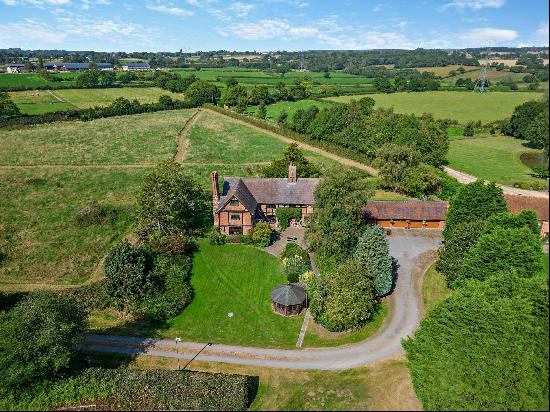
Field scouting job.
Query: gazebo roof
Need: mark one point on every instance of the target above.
(289, 294)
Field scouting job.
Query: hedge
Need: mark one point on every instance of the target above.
(132, 389)
(95, 113)
(328, 146)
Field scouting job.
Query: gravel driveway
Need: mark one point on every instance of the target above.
(413, 250)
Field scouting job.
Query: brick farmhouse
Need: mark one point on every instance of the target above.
(244, 201)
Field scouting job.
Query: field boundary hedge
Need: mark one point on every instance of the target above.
(329, 147)
(133, 389)
(95, 113)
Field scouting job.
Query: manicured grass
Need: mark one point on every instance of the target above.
(274, 109)
(143, 138)
(237, 279)
(44, 244)
(545, 263)
(218, 139)
(434, 288)
(462, 106)
(85, 98)
(495, 158)
(315, 339)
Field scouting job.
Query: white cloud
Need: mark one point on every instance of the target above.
(29, 31)
(241, 9)
(402, 24)
(37, 3)
(174, 11)
(488, 36)
(272, 28)
(474, 4)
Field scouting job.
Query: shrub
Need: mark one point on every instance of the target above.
(174, 244)
(306, 278)
(372, 252)
(94, 296)
(485, 347)
(292, 154)
(292, 249)
(96, 214)
(215, 237)
(294, 266)
(344, 299)
(260, 234)
(38, 338)
(127, 272)
(286, 214)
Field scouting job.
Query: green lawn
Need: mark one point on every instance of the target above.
(38, 102)
(495, 158)
(238, 279)
(274, 109)
(143, 138)
(461, 106)
(434, 288)
(37, 222)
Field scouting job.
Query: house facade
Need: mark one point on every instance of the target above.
(406, 214)
(136, 67)
(15, 68)
(242, 202)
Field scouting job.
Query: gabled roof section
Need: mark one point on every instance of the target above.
(405, 209)
(241, 192)
(517, 204)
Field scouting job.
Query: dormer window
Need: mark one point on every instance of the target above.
(234, 202)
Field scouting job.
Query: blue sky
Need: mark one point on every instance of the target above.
(170, 25)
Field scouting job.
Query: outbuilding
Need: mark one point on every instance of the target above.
(289, 299)
(406, 214)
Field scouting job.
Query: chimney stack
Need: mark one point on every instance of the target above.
(292, 173)
(215, 194)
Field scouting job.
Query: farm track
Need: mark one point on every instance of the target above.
(465, 178)
(182, 140)
(305, 146)
(60, 99)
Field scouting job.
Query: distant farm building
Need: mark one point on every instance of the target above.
(517, 204)
(80, 67)
(15, 68)
(243, 202)
(136, 67)
(406, 214)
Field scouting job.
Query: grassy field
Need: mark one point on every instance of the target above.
(462, 106)
(274, 109)
(495, 158)
(43, 101)
(143, 138)
(434, 288)
(44, 244)
(217, 140)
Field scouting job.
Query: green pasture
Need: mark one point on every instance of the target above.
(219, 140)
(434, 288)
(461, 106)
(43, 243)
(33, 80)
(38, 102)
(136, 139)
(495, 158)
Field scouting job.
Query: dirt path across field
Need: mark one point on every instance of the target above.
(182, 139)
(414, 251)
(465, 178)
(305, 146)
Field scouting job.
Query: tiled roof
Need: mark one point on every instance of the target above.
(241, 192)
(518, 203)
(405, 209)
(288, 295)
(276, 191)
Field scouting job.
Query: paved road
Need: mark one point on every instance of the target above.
(409, 248)
(508, 190)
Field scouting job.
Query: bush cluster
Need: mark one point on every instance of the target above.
(216, 238)
(260, 235)
(286, 214)
(96, 214)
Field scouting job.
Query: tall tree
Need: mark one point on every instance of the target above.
(372, 252)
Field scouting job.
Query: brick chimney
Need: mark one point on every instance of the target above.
(215, 194)
(292, 173)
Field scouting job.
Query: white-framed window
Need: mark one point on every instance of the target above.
(234, 202)
(234, 217)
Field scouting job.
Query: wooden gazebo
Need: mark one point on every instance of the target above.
(289, 299)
